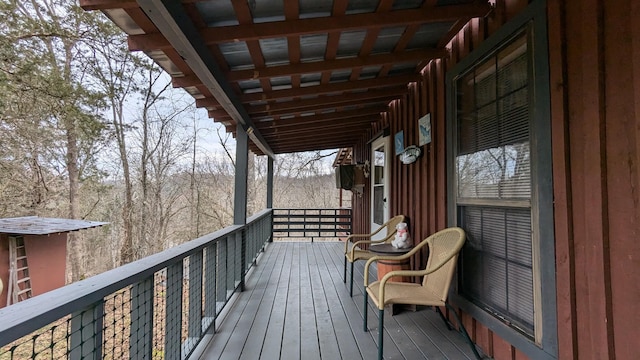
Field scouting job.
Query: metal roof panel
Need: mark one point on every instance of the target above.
(350, 43)
(35, 225)
(313, 47)
(387, 39)
(275, 51)
(217, 13)
(237, 55)
(428, 35)
(315, 8)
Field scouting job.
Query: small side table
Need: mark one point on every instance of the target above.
(384, 266)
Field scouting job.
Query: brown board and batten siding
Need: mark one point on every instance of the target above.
(594, 64)
(595, 83)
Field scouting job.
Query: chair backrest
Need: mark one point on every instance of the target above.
(444, 247)
(390, 226)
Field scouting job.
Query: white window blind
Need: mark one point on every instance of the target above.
(493, 185)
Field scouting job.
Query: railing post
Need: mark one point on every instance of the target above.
(242, 234)
(271, 225)
(210, 305)
(86, 333)
(254, 241)
(231, 262)
(140, 344)
(195, 300)
(269, 182)
(223, 270)
(173, 315)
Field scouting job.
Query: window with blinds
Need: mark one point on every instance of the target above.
(493, 184)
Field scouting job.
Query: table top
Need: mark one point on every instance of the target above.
(388, 249)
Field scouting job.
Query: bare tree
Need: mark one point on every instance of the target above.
(45, 40)
(119, 75)
(163, 146)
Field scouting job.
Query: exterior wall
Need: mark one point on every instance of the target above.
(595, 57)
(47, 259)
(594, 61)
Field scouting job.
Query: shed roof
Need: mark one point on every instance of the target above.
(35, 225)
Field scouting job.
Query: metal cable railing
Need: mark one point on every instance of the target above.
(159, 307)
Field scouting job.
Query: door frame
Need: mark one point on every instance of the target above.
(383, 142)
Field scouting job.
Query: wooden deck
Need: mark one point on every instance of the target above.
(296, 307)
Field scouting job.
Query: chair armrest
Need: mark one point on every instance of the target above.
(381, 257)
(392, 257)
(390, 274)
(386, 239)
(357, 243)
(409, 273)
(353, 236)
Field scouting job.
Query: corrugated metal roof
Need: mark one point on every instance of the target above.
(35, 225)
(267, 52)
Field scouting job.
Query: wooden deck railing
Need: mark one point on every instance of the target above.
(157, 307)
(301, 224)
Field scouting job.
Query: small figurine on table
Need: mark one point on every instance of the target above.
(402, 239)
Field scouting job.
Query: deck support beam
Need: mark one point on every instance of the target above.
(240, 195)
(270, 193)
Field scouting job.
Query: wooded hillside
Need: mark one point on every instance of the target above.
(92, 131)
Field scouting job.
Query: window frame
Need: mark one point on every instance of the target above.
(545, 345)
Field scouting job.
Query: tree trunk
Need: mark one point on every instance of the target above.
(127, 253)
(73, 250)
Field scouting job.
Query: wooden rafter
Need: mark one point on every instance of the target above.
(331, 88)
(337, 115)
(327, 101)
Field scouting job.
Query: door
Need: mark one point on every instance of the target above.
(380, 183)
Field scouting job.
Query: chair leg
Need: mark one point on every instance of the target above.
(344, 276)
(351, 283)
(380, 332)
(365, 310)
(464, 331)
(443, 318)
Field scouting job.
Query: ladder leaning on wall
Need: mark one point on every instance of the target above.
(19, 286)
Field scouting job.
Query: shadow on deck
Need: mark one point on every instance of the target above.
(296, 306)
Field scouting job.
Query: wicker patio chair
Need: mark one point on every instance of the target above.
(356, 253)
(444, 247)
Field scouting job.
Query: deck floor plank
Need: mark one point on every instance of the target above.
(229, 329)
(352, 341)
(273, 338)
(327, 337)
(255, 340)
(309, 341)
(291, 336)
(296, 306)
(438, 331)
